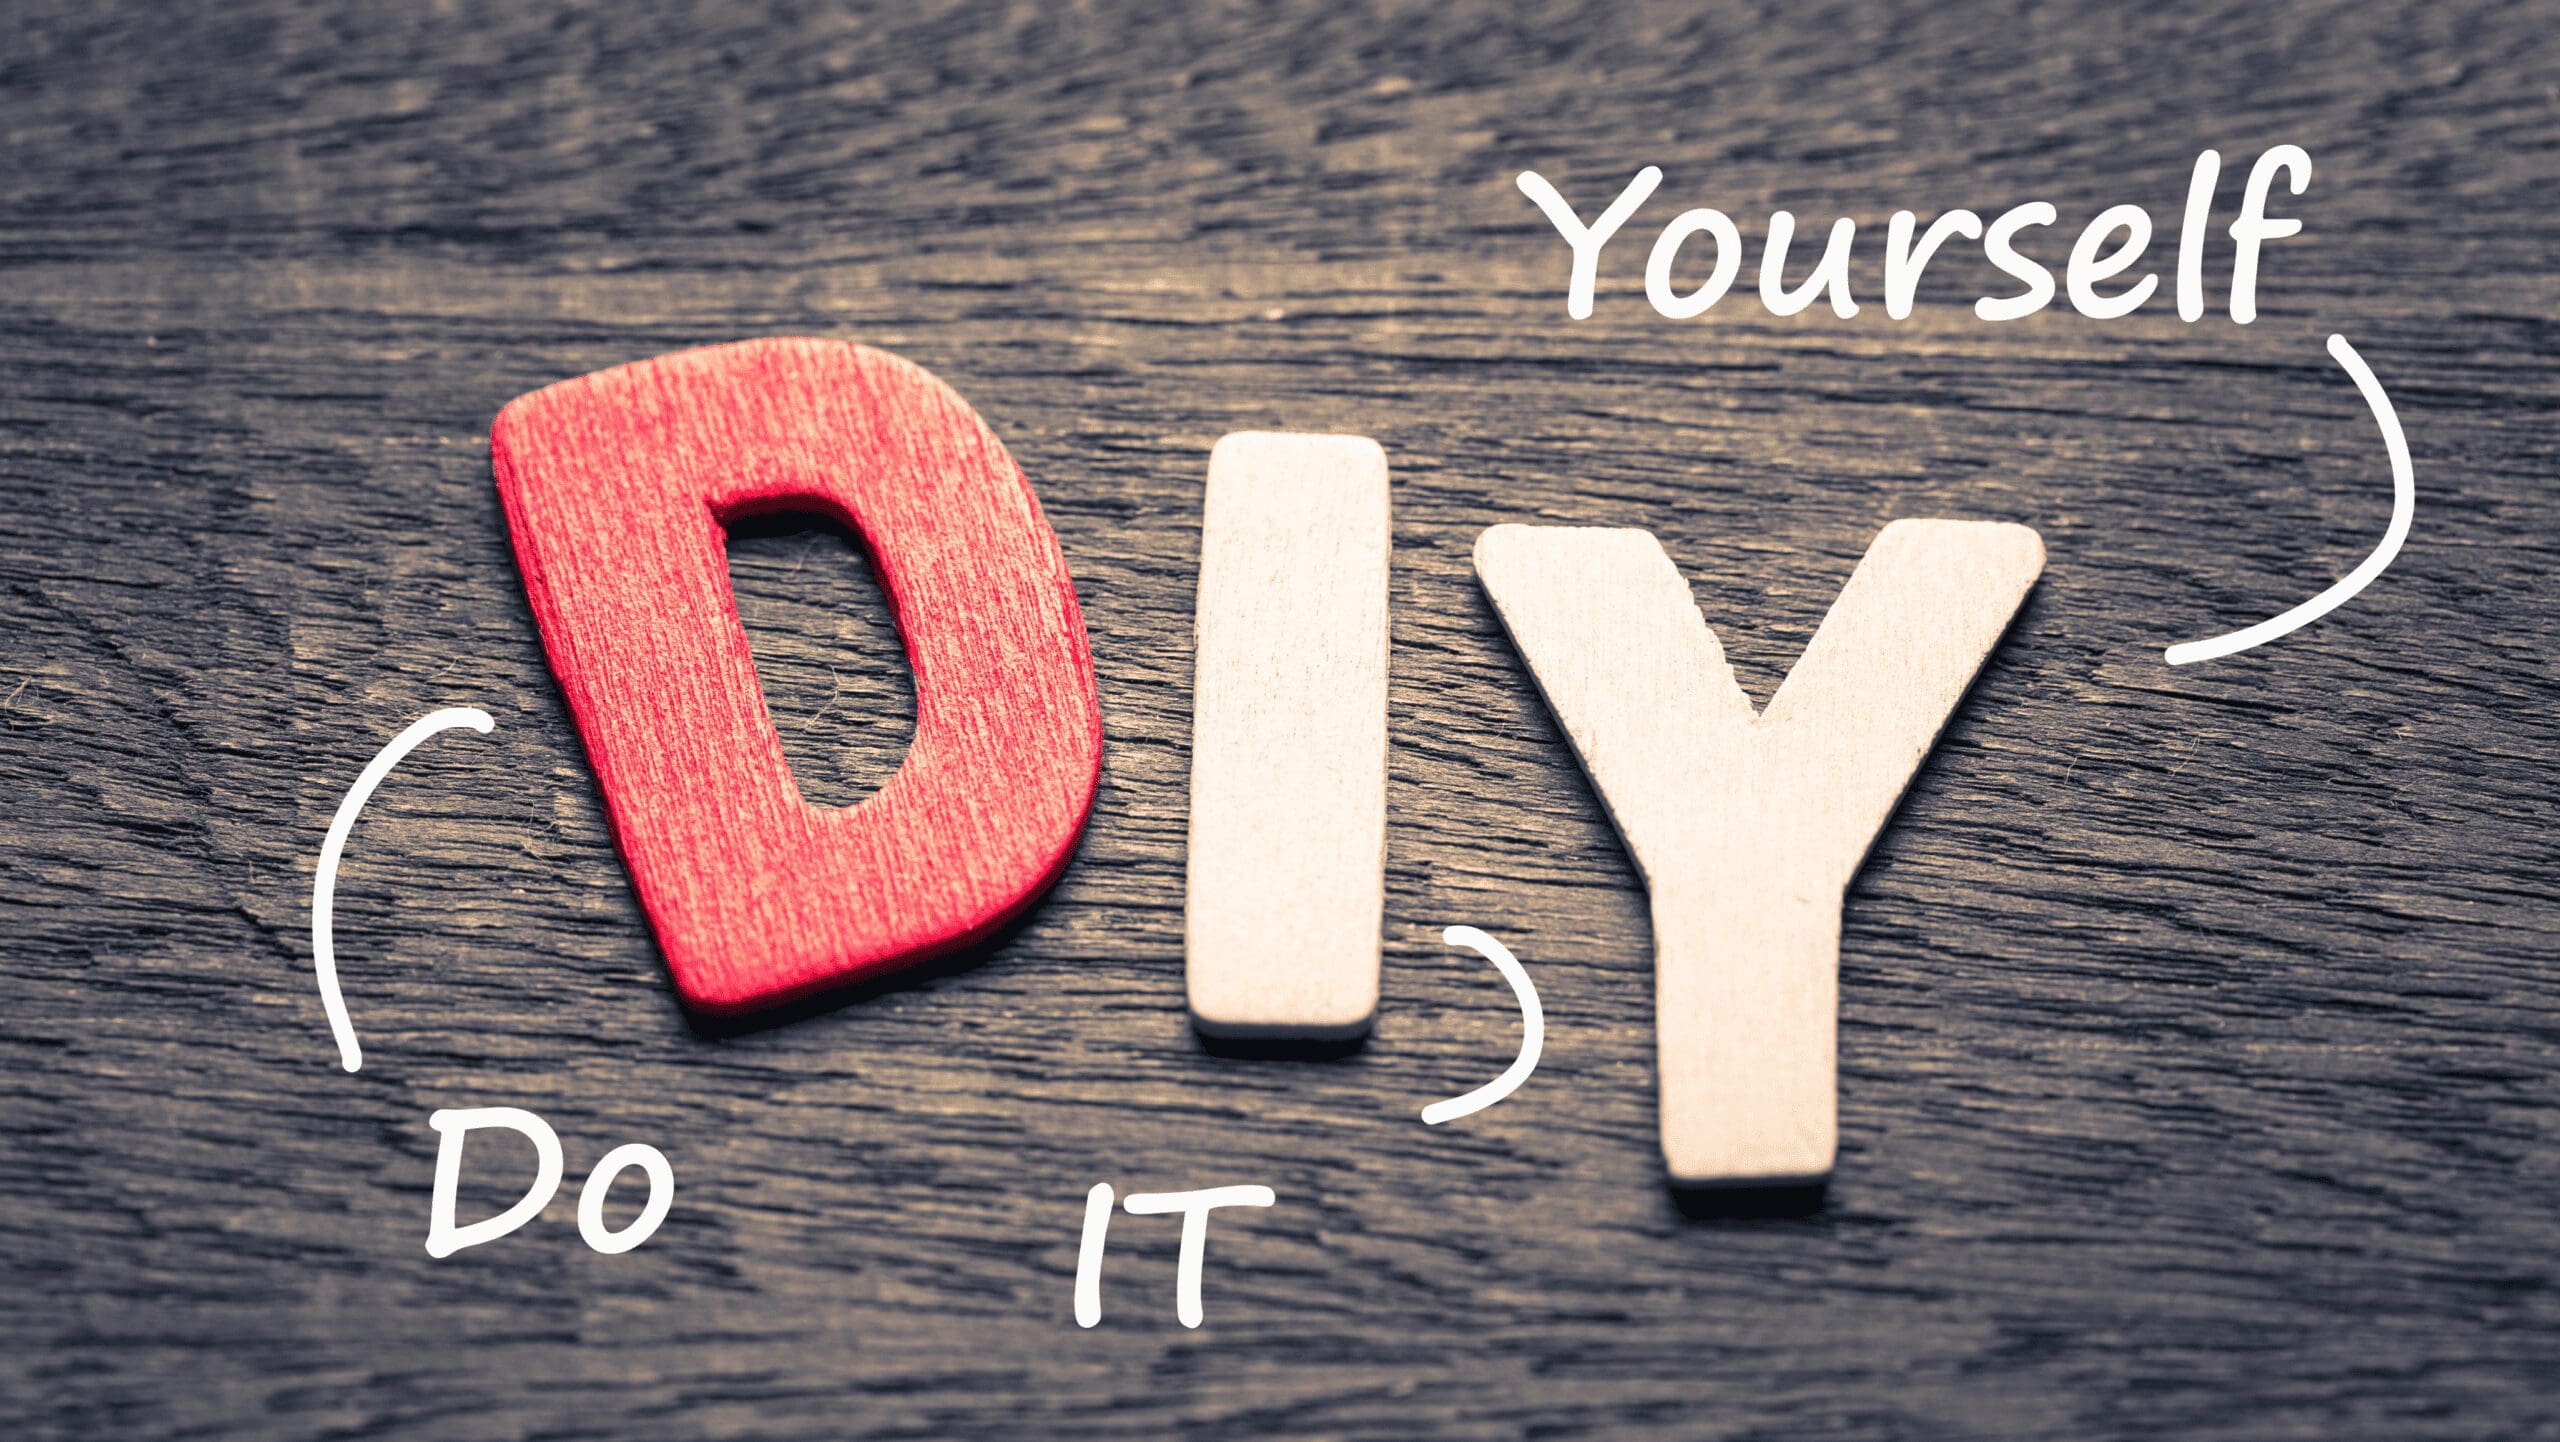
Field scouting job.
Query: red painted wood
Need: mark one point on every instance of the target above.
(617, 486)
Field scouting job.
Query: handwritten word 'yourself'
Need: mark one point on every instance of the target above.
(2108, 246)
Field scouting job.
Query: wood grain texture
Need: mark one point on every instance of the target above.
(1747, 823)
(618, 487)
(2198, 1027)
(1284, 881)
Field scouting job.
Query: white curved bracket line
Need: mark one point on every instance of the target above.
(2404, 505)
(1533, 1031)
(324, 888)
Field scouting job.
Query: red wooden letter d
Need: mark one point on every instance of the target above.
(616, 488)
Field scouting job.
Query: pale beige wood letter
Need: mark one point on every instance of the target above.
(1747, 828)
(1287, 878)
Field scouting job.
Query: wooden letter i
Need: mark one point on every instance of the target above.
(1289, 739)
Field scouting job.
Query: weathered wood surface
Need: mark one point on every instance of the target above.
(2198, 1027)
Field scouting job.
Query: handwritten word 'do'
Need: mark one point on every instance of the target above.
(2108, 246)
(454, 1125)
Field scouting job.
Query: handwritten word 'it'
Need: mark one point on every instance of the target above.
(1195, 1208)
(2111, 244)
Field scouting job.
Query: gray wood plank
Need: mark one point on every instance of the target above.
(2198, 1026)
